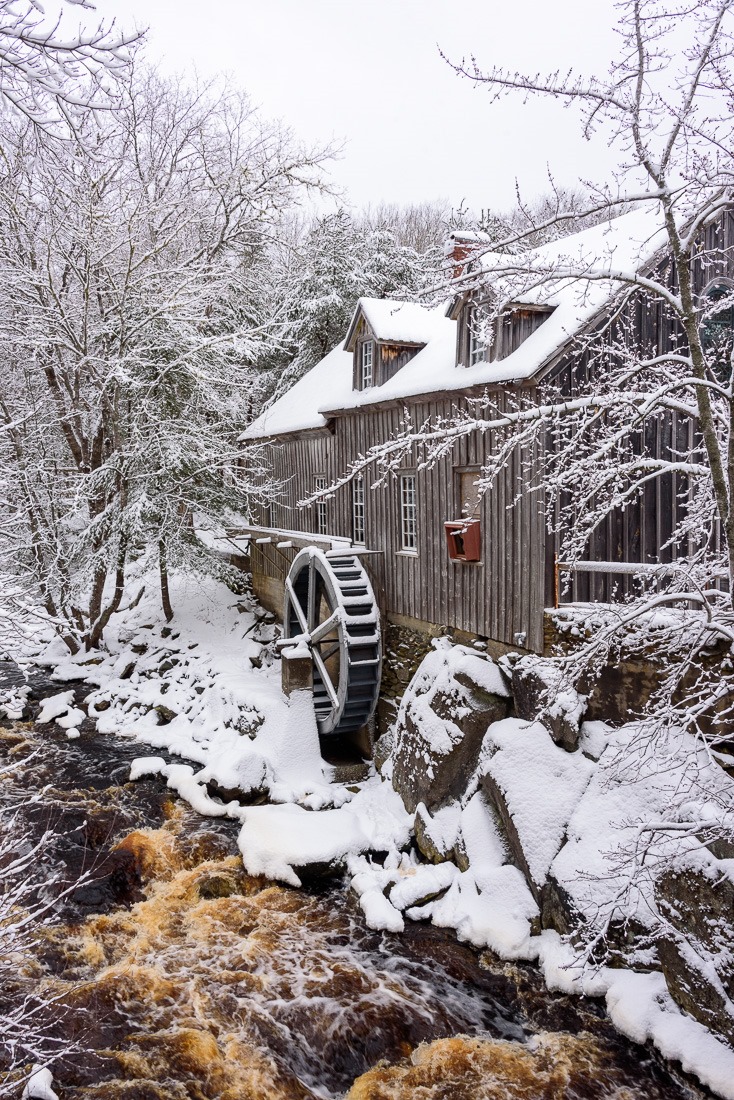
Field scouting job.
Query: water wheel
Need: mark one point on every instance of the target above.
(329, 603)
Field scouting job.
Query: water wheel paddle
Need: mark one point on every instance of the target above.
(330, 605)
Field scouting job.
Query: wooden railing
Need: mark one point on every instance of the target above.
(627, 568)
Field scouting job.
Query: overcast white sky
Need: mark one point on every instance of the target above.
(368, 73)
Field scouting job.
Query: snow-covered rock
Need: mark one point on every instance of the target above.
(436, 834)
(443, 717)
(276, 841)
(55, 706)
(425, 884)
(39, 1085)
(541, 693)
(13, 702)
(534, 786)
(697, 950)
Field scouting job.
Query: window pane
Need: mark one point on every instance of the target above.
(358, 509)
(469, 492)
(408, 512)
(320, 508)
(367, 361)
(477, 345)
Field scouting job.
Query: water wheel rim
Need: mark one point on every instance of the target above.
(350, 630)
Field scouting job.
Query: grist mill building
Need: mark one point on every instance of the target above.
(439, 555)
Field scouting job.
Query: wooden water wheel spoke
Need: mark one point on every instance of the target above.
(319, 633)
(313, 601)
(330, 604)
(296, 606)
(325, 678)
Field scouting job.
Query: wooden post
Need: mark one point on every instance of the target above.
(296, 668)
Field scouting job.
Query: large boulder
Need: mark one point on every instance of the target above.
(697, 951)
(453, 698)
(557, 910)
(436, 836)
(541, 693)
(534, 787)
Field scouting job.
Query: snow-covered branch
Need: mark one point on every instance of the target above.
(51, 71)
(134, 314)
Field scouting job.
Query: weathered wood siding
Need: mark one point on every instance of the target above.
(391, 359)
(644, 531)
(499, 597)
(511, 329)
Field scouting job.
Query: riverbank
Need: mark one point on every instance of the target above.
(178, 975)
(204, 695)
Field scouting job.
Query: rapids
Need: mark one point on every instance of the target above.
(180, 976)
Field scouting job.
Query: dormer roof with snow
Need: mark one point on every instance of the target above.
(391, 322)
(385, 336)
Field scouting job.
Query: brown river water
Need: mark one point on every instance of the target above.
(177, 975)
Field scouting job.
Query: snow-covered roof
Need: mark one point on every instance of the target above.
(330, 381)
(577, 276)
(394, 322)
(621, 246)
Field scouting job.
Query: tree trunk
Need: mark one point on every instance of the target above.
(165, 594)
(97, 626)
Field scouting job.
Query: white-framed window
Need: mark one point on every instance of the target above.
(477, 336)
(358, 510)
(320, 481)
(408, 513)
(366, 363)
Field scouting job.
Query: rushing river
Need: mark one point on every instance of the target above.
(179, 976)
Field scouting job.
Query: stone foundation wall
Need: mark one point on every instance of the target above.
(270, 592)
(404, 647)
(626, 685)
(622, 689)
(406, 643)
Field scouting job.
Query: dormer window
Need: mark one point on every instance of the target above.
(385, 335)
(486, 335)
(367, 359)
(475, 332)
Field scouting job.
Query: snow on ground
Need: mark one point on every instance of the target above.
(207, 690)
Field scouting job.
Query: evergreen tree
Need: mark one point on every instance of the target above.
(337, 263)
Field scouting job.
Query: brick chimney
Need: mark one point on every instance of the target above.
(460, 248)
